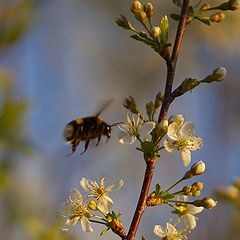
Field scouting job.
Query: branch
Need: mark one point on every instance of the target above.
(167, 100)
(171, 63)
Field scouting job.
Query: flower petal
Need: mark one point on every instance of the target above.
(105, 204)
(159, 231)
(86, 225)
(125, 138)
(173, 131)
(170, 230)
(115, 186)
(190, 220)
(187, 130)
(146, 128)
(101, 182)
(76, 196)
(194, 210)
(169, 146)
(194, 143)
(185, 156)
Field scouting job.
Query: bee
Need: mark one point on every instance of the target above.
(86, 129)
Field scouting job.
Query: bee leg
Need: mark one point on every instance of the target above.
(85, 147)
(74, 146)
(99, 138)
(107, 140)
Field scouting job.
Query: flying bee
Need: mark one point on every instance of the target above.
(86, 129)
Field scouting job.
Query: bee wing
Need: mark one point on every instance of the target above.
(104, 105)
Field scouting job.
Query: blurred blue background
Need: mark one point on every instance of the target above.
(72, 57)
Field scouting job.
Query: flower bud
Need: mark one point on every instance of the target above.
(155, 32)
(123, 22)
(136, 7)
(196, 169)
(206, 202)
(217, 17)
(176, 118)
(141, 16)
(158, 99)
(198, 185)
(164, 125)
(230, 5)
(154, 200)
(130, 104)
(148, 9)
(205, 7)
(92, 205)
(220, 73)
(149, 109)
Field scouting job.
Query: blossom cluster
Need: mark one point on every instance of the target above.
(79, 209)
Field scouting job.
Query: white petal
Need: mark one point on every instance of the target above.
(182, 198)
(194, 143)
(146, 128)
(169, 146)
(76, 196)
(125, 138)
(170, 230)
(86, 225)
(190, 220)
(105, 204)
(194, 210)
(173, 131)
(124, 127)
(86, 185)
(101, 182)
(186, 156)
(159, 231)
(187, 130)
(115, 186)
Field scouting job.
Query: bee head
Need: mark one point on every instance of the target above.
(69, 133)
(107, 131)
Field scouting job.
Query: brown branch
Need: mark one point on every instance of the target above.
(171, 63)
(167, 100)
(142, 199)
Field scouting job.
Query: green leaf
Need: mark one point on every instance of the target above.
(164, 30)
(158, 188)
(147, 41)
(203, 20)
(175, 16)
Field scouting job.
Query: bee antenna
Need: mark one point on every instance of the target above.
(115, 124)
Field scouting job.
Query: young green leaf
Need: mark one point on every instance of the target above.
(164, 30)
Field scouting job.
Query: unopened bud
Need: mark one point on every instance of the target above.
(148, 9)
(196, 169)
(92, 205)
(123, 22)
(158, 100)
(141, 16)
(177, 119)
(187, 190)
(205, 7)
(198, 185)
(217, 17)
(164, 125)
(220, 73)
(149, 109)
(130, 104)
(153, 200)
(230, 5)
(136, 7)
(217, 75)
(155, 32)
(206, 202)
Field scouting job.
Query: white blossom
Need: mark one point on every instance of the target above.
(181, 138)
(98, 191)
(187, 212)
(133, 129)
(169, 232)
(72, 211)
